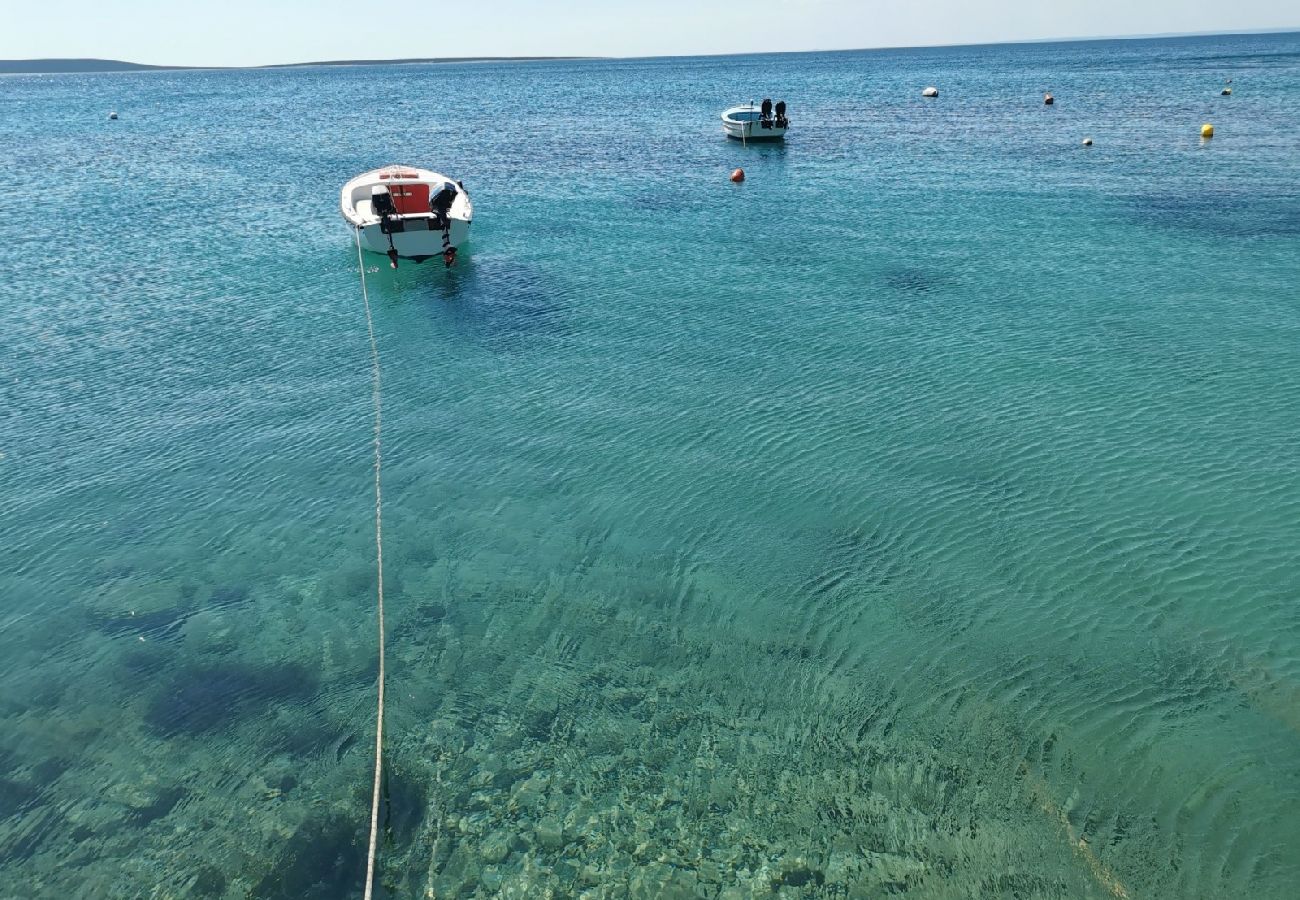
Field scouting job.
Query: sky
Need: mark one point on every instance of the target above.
(258, 32)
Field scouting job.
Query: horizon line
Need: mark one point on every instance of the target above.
(134, 66)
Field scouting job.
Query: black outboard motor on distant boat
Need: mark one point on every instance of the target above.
(381, 202)
(765, 115)
(440, 205)
(781, 120)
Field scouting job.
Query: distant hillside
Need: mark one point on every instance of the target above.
(35, 66)
(416, 61)
(50, 66)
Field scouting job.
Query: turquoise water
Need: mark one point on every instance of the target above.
(919, 517)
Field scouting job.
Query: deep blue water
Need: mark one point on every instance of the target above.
(921, 516)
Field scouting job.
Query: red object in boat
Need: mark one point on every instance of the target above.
(410, 199)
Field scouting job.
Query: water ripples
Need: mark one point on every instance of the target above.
(917, 516)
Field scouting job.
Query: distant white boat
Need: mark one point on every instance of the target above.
(756, 123)
(408, 213)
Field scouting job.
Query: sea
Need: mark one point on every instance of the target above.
(919, 517)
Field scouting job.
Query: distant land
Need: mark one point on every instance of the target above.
(42, 66)
(67, 66)
(72, 66)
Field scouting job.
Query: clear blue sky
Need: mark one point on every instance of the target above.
(253, 32)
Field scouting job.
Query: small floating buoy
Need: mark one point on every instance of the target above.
(930, 92)
(738, 176)
(1049, 99)
(1087, 142)
(112, 115)
(1207, 130)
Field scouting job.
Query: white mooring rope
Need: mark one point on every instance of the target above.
(379, 564)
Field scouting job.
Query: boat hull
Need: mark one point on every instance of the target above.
(745, 123)
(752, 131)
(416, 242)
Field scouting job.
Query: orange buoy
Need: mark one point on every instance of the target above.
(738, 176)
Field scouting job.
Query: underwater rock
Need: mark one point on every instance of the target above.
(796, 872)
(209, 631)
(495, 848)
(663, 882)
(199, 698)
(491, 878)
(404, 804)
(15, 796)
(147, 607)
(446, 735)
(208, 882)
(49, 770)
(227, 595)
(149, 807)
(531, 790)
(322, 855)
(159, 625)
(539, 719)
(893, 869)
(549, 833)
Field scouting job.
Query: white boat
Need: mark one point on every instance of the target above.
(756, 123)
(408, 213)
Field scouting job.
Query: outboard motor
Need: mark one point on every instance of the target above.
(440, 205)
(765, 115)
(781, 120)
(381, 201)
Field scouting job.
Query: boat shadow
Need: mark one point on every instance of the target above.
(491, 301)
(762, 149)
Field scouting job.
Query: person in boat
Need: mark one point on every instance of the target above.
(440, 205)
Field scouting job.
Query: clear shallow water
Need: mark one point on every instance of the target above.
(918, 517)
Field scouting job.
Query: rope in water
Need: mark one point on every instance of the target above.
(379, 564)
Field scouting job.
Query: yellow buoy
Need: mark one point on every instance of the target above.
(1207, 130)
